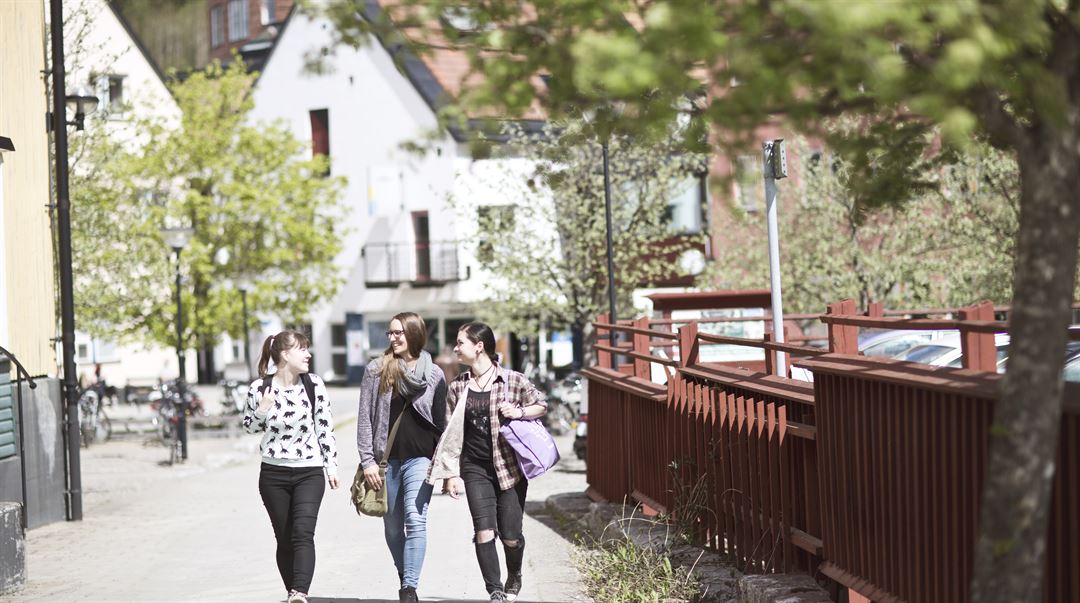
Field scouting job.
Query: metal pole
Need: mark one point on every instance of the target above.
(247, 335)
(63, 235)
(774, 256)
(181, 382)
(610, 255)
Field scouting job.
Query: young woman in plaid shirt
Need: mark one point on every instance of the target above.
(472, 458)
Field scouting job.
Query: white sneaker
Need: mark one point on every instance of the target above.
(297, 597)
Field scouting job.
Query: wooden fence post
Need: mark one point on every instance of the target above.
(603, 357)
(642, 345)
(979, 351)
(688, 344)
(770, 355)
(875, 310)
(843, 339)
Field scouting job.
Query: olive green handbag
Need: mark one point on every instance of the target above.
(369, 501)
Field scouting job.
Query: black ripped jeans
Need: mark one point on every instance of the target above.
(498, 510)
(292, 496)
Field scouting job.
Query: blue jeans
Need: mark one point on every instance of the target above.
(405, 522)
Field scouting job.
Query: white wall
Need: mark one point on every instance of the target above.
(373, 110)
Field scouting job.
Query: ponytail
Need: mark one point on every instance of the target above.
(478, 332)
(274, 345)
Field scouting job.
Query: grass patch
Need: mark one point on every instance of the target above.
(618, 570)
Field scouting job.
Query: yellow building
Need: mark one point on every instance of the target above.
(27, 274)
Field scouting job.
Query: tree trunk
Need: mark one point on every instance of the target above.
(1009, 556)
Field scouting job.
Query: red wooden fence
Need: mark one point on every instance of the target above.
(870, 476)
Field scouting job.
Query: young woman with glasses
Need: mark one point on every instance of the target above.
(402, 385)
(472, 457)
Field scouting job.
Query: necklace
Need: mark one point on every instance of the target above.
(483, 387)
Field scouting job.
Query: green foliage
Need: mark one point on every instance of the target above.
(261, 211)
(951, 245)
(546, 248)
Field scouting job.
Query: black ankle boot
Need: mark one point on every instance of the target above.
(407, 595)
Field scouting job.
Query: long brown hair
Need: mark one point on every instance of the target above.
(415, 338)
(276, 344)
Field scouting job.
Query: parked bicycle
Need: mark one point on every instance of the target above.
(235, 396)
(166, 400)
(94, 425)
(564, 399)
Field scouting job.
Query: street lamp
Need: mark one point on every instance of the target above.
(85, 103)
(603, 122)
(177, 238)
(244, 285)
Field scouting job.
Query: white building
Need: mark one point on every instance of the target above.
(105, 58)
(404, 251)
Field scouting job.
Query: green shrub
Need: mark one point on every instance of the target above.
(618, 571)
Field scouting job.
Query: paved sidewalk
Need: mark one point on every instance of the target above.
(198, 532)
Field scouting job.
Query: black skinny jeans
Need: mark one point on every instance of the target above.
(292, 496)
(498, 510)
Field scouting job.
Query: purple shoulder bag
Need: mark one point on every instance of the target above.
(534, 447)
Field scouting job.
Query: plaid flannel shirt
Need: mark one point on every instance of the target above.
(507, 386)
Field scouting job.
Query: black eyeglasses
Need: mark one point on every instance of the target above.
(393, 334)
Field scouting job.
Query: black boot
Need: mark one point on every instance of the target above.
(407, 595)
(514, 557)
(488, 558)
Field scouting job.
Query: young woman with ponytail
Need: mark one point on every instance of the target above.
(471, 456)
(402, 387)
(291, 408)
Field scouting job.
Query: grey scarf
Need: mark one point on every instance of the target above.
(415, 381)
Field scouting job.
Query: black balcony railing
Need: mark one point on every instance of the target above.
(389, 264)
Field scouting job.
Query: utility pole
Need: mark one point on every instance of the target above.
(775, 167)
(63, 235)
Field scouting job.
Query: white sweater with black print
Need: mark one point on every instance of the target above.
(294, 435)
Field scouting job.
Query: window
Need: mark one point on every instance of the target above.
(236, 352)
(116, 94)
(377, 341)
(238, 20)
(217, 26)
(84, 353)
(748, 182)
(423, 245)
(684, 211)
(339, 365)
(337, 335)
(266, 12)
(320, 134)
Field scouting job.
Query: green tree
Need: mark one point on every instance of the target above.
(547, 248)
(948, 246)
(1004, 70)
(260, 209)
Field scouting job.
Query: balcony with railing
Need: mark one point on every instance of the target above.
(420, 264)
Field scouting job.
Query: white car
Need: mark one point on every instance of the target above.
(945, 351)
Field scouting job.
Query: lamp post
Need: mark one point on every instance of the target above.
(243, 286)
(602, 120)
(177, 238)
(610, 251)
(82, 104)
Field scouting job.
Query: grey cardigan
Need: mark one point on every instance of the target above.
(373, 416)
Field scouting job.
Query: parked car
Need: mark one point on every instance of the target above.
(1072, 362)
(945, 351)
(894, 343)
